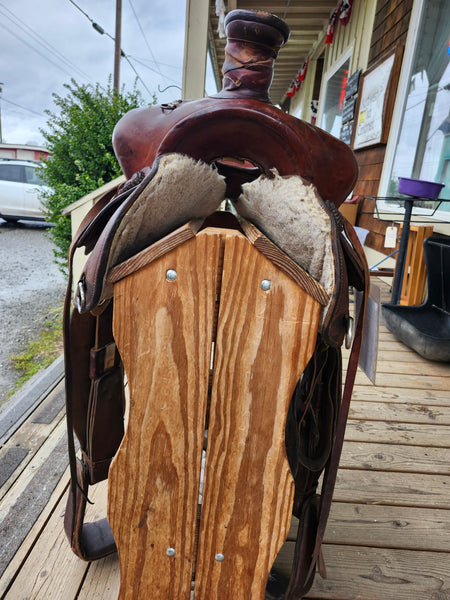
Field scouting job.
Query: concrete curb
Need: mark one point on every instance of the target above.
(15, 410)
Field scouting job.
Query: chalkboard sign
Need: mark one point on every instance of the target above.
(348, 111)
(346, 132)
(352, 85)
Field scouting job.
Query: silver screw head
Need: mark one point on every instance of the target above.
(266, 284)
(171, 275)
(219, 557)
(171, 552)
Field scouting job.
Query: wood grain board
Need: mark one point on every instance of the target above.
(264, 341)
(164, 331)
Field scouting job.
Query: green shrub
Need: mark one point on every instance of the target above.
(78, 137)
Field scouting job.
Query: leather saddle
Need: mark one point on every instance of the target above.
(282, 181)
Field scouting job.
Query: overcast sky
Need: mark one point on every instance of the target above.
(43, 44)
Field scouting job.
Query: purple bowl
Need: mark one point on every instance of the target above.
(419, 188)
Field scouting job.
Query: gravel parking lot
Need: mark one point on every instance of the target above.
(30, 286)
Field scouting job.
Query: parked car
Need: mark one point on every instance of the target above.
(20, 187)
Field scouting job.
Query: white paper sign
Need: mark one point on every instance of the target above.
(369, 123)
(390, 239)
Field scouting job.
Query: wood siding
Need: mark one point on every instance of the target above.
(389, 32)
(345, 38)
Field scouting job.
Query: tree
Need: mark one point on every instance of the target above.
(79, 139)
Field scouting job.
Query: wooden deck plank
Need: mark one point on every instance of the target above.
(102, 581)
(51, 569)
(394, 394)
(26, 475)
(400, 412)
(365, 573)
(414, 367)
(405, 381)
(415, 434)
(399, 527)
(20, 556)
(31, 436)
(401, 489)
(373, 456)
(381, 574)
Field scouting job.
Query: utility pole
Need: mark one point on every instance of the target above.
(117, 49)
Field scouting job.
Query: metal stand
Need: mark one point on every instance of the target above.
(399, 271)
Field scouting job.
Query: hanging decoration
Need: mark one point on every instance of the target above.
(220, 12)
(295, 83)
(303, 70)
(331, 24)
(314, 109)
(341, 12)
(346, 11)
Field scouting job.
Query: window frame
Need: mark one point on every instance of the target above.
(347, 55)
(415, 23)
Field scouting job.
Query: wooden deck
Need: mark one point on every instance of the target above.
(388, 536)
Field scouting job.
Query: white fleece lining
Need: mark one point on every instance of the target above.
(181, 190)
(287, 210)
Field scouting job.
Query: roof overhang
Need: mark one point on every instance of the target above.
(307, 20)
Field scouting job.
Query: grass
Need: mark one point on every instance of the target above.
(40, 352)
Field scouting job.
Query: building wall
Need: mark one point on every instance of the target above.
(353, 37)
(23, 152)
(376, 28)
(390, 30)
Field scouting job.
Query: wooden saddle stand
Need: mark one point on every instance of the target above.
(228, 326)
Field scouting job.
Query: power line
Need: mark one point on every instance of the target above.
(151, 69)
(100, 30)
(139, 58)
(36, 50)
(145, 39)
(22, 107)
(137, 74)
(40, 40)
(95, 25)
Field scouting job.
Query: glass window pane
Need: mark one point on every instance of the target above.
(334, 100)
(423, 147)
(32, 177)
(12, 172)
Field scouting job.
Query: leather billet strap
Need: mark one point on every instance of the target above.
(331, 469)
(82, 333)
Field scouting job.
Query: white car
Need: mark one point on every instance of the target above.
(20, 190)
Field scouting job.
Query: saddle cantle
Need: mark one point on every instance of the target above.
(286, 180)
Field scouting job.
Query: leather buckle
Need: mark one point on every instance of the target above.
(80, 297)
(350, 333)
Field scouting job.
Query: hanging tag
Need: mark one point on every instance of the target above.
(390, 239)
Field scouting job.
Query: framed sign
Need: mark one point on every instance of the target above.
(376, 101)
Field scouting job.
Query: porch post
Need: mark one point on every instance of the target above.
(195, 48)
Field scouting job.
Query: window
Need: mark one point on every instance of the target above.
(32, 177)
(333, 102)
(423, 143)
(12, 173)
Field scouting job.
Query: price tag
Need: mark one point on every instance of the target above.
(390, 239)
